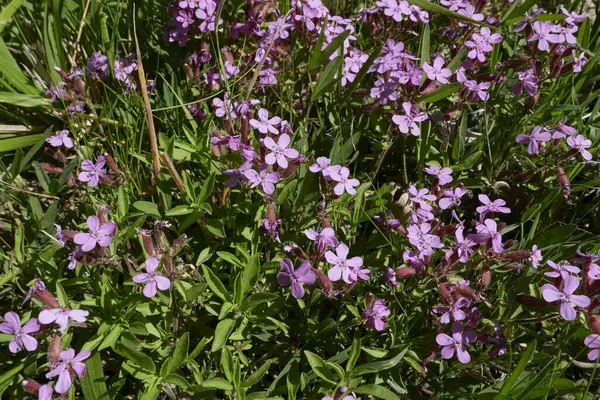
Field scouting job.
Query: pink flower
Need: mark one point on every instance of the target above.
(455, 311)
(477, 90)
(152, 279)
(491, 206)
(580, 143)
(61, 138)
(92, 172)
(437, 72)
(408, 122)
(444, 174)
(324, 238)
(69, 363)
(321, 164)
(421, 197)
(456, 343)
(22, 338)
(561, 269)
(593, 342)
(390, 277)
(265, 179)
(279, 151)
(565, 297)
(343, 268)
(419, 236)
(536, 256)
(463, 246)
(488, 230)
(481, 43)
(344, 184)
(303, 275)
(100, 234)
(531, 140)
(374, 315)
(45, 392)
(451, 197)
(572, 17)
(543, 34)
(61, 317)
(265, 124)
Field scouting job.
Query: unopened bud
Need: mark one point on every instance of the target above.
(271, 216)
(405, 272)
(54, 351)
(563, 180)
(51, 169)
(516, 255)
(595, 323)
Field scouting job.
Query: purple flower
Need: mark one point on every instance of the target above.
(97, 65)
(488, 230)
(437, 72)
(463, 246)
(352, 65)
(455, 5)
(498, 341)
(72, 258)
(324, 238)
(420, 197)
(536, 256)
(543, 35)
(59, 235)
(451, 197)
(152, 279)
(456, 343)
(56, 92)
(572, 17)
(100, 234)
(565, 297)
(469, 12)
(419, 236)
(455, 311)
(69, 363)
(536, 136)
(374, 315)
(211, 78)
(271, 229)
(529, 81)
(477, 90)
(344, 184)
(92, 172)
(384, 91)
(45, 392)
(491, 206)
(224, 108)
(266, 124)
(593, 342)
(474, 317)
(481, 43)
(321, 164)
(390, 277)
(343, 268)
(279, 151)
(561, 129)
(395, 9)
(22, 338)
(579, 62)
(561, 269)
(410, 119)
(231, 70)
(444, 175)
(303, 275)
(61, 316)
(267, 180)
(580, 143)
(61, 138)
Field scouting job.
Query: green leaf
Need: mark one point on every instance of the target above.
(198, 349)
(514, 377)
(216, 227)
(10, 70)
(227, 363)
(93, 383)
(354, 352)
(215, 383)
(111, 339)
(319, 366)
(177, 380)
(319, 58)
(442, 93)
(256, 375)
(215, 284)
(136, 357)
(180, 352)
(258, 298)
(179, 210)
(554, 236)
(123, 201)
(18, 142)
(8, 11)
(458, 148)
(376, 391)
(435, 8)
(207, 188)
(222, 332)
(147, 208)
(293, 380)
(327, 78)
(23, 100)
(425, 42)
(316, 54)
(376, 366)
(248, 279)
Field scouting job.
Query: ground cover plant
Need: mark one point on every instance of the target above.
(311, 199)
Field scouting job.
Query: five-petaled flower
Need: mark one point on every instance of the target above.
(279, 151)
(22, 338)
(345, 184)
(491, 206)
(344, 268)
(537, 135)
(580, 143)
(593, 342)
(92, 172)
(61, 317)
(296, 278)
(444, 175)
(565, 297)
(408, 122)
(69, 364)
(267, 180)
(374, 315)
(100, 234)
(455, 311)
(264, 124)
(61, 138)
(437, 72)
(456, 343)
(152, 279)
(562, 269)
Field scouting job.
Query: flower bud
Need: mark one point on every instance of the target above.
(405, 272)
(516, 255)
(54, 351)
(595, 323)
(31, 385)
(271, 216)
(445, 293)
(51, 169)
(563, 180)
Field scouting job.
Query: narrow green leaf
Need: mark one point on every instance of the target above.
(248, 279)
(376, 391)
(378, 366)
(222, 332)
(207, 188)
(18, 142)
(179, 210)
(256, 375)
(425, 43)
(354, 352)
(23, 100)
(361, 74)
(13, 74)
(215, 383)
(111, 339)
(514, 377)
(180, 352)
(327, 78)
(215, 284)
(458, 148)
(319, 366)
(320, 58)
(316, 54)
(147, 208)
(93, 383)
(136, 357)
(8, 11)
(442, 93)
(216, 227)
